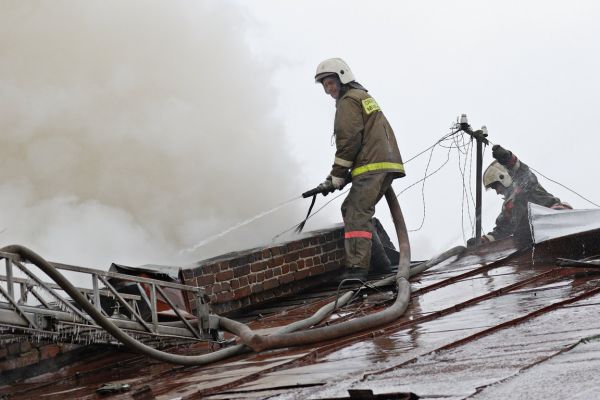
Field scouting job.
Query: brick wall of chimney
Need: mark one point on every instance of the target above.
(242, 279)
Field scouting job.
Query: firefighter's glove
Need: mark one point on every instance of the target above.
(480, 240)
(338, 183)
(476, 241)
(501, 154)
(326, 186)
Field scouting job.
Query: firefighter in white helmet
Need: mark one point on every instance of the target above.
(513, 179)
(366, 153)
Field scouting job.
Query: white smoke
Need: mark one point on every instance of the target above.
(131, 130)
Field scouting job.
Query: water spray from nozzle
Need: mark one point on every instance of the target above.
(237, 226)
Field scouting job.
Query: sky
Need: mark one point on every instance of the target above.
(143, 131)
(526, 70)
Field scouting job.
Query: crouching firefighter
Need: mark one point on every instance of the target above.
(366, 150)
(512, 179)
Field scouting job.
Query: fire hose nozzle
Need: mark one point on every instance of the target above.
(325, 190)
(317, 190)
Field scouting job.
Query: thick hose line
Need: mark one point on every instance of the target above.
(455, 251)
(105, 323)
(389, 315)
(392, 313)
(238, 329)
(225, 323)
(401, 231)
(260, 343)
(318, 316)
(242, 330)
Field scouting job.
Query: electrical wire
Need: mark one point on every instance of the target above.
(560, 184)
(441, 140)
(423, 191)
(422, 179)
(454, 144)
(433, 145)
(464, 147)
(423, 186)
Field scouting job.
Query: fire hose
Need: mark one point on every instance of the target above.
(96, 315)
(286, 336)
(283, 339)
(277, 340)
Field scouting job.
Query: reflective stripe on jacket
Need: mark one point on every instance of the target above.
(365, 141)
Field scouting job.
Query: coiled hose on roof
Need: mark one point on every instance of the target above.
(286, 336)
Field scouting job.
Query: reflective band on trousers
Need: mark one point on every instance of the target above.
(378, 166)
(358, 234)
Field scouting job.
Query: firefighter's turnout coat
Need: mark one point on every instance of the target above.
(525, 189)
(366, 146)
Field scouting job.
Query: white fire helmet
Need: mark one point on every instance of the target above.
(334, 66)
(496, 172)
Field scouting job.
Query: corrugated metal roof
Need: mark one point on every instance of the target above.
(496, 322)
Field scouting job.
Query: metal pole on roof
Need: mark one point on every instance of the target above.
(478, 200)
(480, 136)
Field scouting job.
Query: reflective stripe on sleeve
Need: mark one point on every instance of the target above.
(342, 162)
(358, 234)
(378, 166)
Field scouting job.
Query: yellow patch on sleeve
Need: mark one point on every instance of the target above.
(370, 105)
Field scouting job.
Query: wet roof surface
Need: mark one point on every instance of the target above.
(490, 324)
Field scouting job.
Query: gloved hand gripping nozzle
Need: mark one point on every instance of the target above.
(323, 188)
(329, 185)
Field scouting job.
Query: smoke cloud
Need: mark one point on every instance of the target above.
(133, 130)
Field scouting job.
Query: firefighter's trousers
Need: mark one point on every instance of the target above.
(357, 211)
